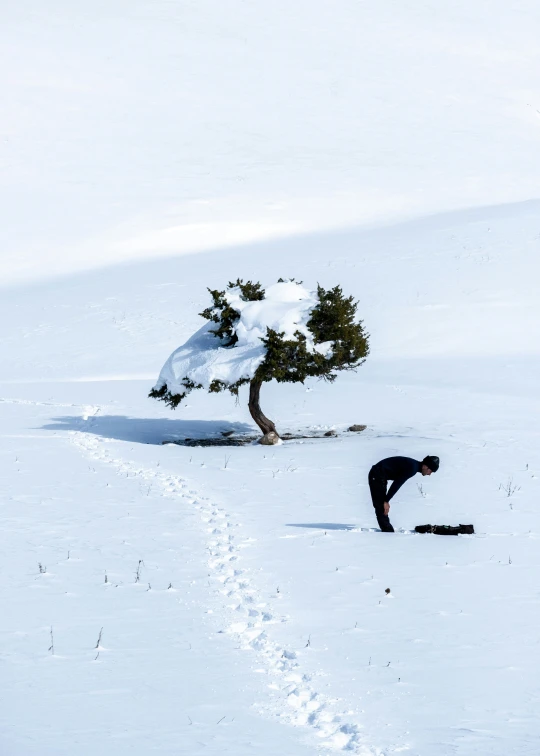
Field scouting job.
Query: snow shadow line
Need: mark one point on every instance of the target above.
(323, 525)
(142, 430)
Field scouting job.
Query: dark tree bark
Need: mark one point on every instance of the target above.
(257, 414)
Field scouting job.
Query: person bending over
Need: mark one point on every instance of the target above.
(398, 470)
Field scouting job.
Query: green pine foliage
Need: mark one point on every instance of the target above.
(216, 386)
(221, 313)
(173, 400)
(332, 320)
(287, 360)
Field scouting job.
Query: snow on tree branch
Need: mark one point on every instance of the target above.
(284, 333)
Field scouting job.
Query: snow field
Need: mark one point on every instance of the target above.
(210, 602)
(429, 664)
(445, 663)
(80, 694)
(281, 591)
(203, 126)
(302, 704)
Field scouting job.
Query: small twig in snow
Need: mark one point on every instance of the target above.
(509, 488)
(51, 647)
(99, 638)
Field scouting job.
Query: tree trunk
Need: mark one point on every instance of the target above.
(262, 421)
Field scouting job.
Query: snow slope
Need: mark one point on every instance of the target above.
(173, 600)
(277, 632)
(138, 128)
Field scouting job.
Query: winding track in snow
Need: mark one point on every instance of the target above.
(295, 698)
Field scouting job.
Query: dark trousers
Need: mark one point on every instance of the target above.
(378, 487)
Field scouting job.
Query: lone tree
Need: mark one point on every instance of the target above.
(285, 333)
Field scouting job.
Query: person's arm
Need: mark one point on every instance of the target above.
(394, 488)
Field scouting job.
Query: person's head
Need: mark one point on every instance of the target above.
(430, 464)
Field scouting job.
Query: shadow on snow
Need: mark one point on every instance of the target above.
(142, 430)
(322, 525)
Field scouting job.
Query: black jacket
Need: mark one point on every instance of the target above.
(398, 469)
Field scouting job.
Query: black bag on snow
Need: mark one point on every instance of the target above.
(446, 529)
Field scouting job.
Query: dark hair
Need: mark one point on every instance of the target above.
(431, 462)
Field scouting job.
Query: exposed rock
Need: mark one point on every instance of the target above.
(330, 433)
(357, 428)
(226, 434)
(269, 439)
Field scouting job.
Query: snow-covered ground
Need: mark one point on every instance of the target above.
(141, 127)
(206, 601)
(277, 614)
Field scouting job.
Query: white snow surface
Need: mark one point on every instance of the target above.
(160, 599)
(176, 126)
(241, 591)
(286, 308)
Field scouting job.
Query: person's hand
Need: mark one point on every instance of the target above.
(386, 508)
